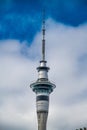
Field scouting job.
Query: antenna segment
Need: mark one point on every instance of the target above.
(43, 39)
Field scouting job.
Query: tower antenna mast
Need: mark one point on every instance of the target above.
(43, 38)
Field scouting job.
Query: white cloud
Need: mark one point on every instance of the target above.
(66, 50)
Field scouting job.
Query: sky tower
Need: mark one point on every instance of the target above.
(42, 87)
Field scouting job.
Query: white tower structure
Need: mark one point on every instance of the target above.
(43, 88)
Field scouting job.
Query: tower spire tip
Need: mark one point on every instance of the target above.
(43, 34)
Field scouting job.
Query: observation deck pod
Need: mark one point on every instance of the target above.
(42, 85)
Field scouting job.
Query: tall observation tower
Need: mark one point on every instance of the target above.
(42, 87)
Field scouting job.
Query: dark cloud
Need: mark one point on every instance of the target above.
(21, 19)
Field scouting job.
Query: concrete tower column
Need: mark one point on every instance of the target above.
(42, 107)
(42, 120)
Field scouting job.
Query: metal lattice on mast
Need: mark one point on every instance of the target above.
(43, 34)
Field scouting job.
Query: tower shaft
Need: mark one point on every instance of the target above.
(42, 106)
(42, 120)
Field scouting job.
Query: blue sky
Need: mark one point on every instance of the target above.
(21, 19)
(66, 55)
